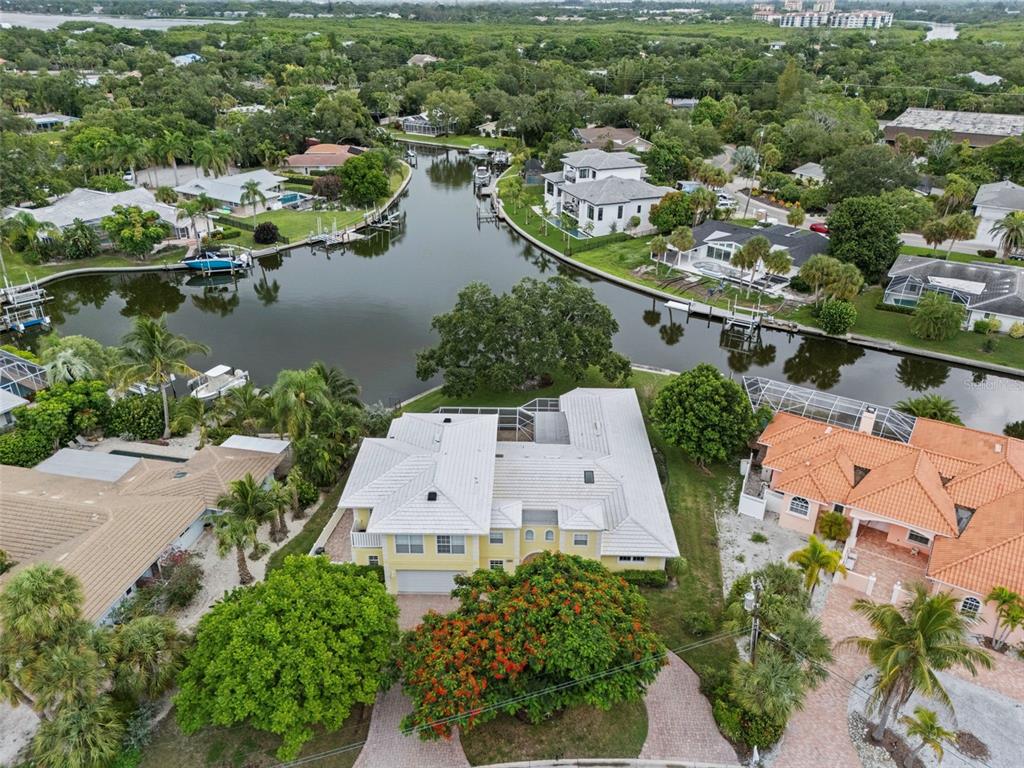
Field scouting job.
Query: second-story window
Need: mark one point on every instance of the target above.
(451, 545)
(497, 537)
(529, 534)
(580, 539)
(409, 544)
(549, 535)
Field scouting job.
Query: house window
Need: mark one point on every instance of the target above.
(590, 212)
(632, 559)
(970, 607)
(551, 188)
(549, 535)
(451, 545)
(497, 537)
(529, 534)
(584, 173)
(918, 538)
(638, 209)
(409, 544)
(373, 560)
(619, 214)
(496, 565)
(600, 214)
(799, 506)
(580, 539)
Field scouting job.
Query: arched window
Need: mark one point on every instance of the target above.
(970, 607)
(549, 535)
(799, 506)
(529, 534)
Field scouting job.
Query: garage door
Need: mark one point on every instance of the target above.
(426, 582)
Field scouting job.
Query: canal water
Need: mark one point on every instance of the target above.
(367, 308)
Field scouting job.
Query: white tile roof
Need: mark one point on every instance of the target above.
(601, 160)
(91, 206)
(258, 444)
(482, 484)
(229, 188)
(87, 465)
(9, 401)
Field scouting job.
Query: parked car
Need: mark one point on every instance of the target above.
(726, 202)
(819, 227)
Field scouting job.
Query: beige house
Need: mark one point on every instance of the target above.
(450, 492)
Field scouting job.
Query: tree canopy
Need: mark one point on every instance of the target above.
(298, 650)
(865, 231)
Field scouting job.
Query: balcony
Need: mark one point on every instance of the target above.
(569, 174)
(366, 540)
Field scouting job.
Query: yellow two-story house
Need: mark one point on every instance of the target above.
(466, 488)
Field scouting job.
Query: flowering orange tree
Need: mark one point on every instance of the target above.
(560, 631)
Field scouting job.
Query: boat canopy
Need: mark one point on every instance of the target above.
(218, 370)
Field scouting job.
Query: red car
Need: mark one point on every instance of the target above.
(821, 229)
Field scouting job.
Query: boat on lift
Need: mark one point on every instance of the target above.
(479, 150)
(481, 176)
(410, 153)
(216, 381)
(226, 259)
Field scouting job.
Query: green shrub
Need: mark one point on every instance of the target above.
(645, 578)
(834, 525)
(1017, 330)
(883, 307)
(229, 233)
(377, 571)
(837, 317)
(266, 232)
(987, 253)
(183, 578)
(743, 727)
(675, 567)
(985, 327)
(758, 538)
(800, 285)
(697, 620)
(814, 199)
(24, 448)
(137, 417)
(790, 193)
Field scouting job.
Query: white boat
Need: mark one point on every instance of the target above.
(482, 175)
(478, 150)
(216, 381)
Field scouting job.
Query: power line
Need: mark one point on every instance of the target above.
(518, 699)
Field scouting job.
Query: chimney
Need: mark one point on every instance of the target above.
(867, 420)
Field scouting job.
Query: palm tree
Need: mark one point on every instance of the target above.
(911, 644)
(67, 675)
(934, 233)
(659, 247)
(1009, 613)
(203, 156)
(85, 735)
(292, 486)
(957, 193)
(1010, 229)
(252, 195)
(166, 195)
(819, 270)
(23, 225)
(148, 652)
(844, 283)
(936, 316)
(171, 146)
(776, 686)
(931, 406)
(129, 151)
(68, 366)
(280, 501)
(745, 164)
(343, 389)
(815, 558)
(960, 226)
(778, 262)
(703, 202)
(80, 240)
(247, 499)
(681, 239)
(246, 409)
(236, 533)
(755, 250)
(296, 398)
(150, 353)
(191, 412)
(924, 725)
(189, 209)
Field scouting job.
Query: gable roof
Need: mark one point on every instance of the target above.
(91, 205)
(600, 160)
(810, 170)
(229, 188)
(1000, 194)
(598, 136)
(801, 243)
(107, 533)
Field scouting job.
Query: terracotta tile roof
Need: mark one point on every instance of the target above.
(108, 533)
(920, 484)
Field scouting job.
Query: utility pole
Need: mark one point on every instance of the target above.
(752, 604)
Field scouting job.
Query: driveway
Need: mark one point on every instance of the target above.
(680, 725)
(411, 608)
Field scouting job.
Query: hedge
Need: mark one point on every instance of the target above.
(882, 306)
(596, 242)
(645, 578)
(297, 178)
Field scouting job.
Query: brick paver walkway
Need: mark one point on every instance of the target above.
(1005, 677)
(387, 747)
(411, 608)
(817, 736)
(680, 725)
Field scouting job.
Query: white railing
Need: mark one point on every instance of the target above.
(363, 539)
(857, 582)
(751, 506)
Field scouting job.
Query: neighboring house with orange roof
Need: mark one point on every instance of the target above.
(322, 157)
(953, 496)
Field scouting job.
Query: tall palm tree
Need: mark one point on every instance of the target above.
(343, 389)
(85, 735)
(745, 164)
(957, 193)
(191, 412)
(703, 202)
(246, 498)
(171, 147)
(68, 366)
(1009, 613)
(818, 271)
(681, 239)
(1010, 229)
(236, 533)
(844, 282)
(296, 398)
(815, 558)
(151, 353)
(203, 155)
(753, 252)
(129, 152)
(925, 725)
(778, 262)
(189, 209)
(252, 195)
(280, 499)
(206, 204)
(912, 643)
(960, 226)
(149, 652)
(934, 233)
(25, 226)
(659, 246)
(246, 409)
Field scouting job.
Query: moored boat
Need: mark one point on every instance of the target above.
(222, 260)
(216, 381)
(478, 150)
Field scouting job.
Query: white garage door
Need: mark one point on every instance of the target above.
(426, 582)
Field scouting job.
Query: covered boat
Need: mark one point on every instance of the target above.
(216, 381)
(223, 260)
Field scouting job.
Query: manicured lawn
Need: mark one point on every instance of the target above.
(895, 326)
(580, 732)
(462, 140)
(302, 542)
(18, 267)
(244, 747)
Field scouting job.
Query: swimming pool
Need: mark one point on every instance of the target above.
(291, 197)
(715, 268)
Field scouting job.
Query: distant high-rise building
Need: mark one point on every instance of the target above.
(824, 6)
(793, 5)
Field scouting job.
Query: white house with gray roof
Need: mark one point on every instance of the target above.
(602, 191)
(229, 190)
(992, 203)
(451, 492)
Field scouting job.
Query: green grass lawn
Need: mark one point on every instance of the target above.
(18, 268)
(580, 732)
(895, 326)
(463, 141)
(244, 747)
(693, 497)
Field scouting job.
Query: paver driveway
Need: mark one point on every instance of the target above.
(680, 725)
(387, 747)
(411, 608)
